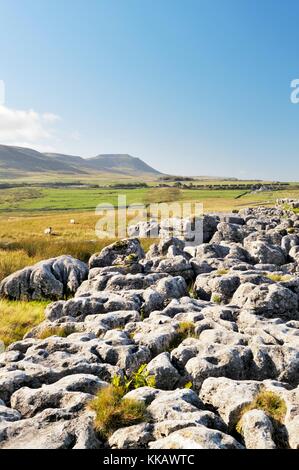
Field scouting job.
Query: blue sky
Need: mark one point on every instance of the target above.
(194, 87)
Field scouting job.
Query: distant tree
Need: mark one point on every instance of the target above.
(157, 195)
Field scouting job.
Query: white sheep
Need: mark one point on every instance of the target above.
(72, 221)
(48, 231)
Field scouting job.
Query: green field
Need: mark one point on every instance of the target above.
(35, 199)
(56, 199)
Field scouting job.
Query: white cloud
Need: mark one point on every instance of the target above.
(18, 127)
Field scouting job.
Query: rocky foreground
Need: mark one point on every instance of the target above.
(216, 325)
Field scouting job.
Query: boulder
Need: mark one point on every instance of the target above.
(265, 253)
(52, 279)
(269, 300)
(257, 430)
(123, 252)
(198, 437)
(166, 375)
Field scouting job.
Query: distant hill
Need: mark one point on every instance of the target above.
(121, 163)
(19, 161)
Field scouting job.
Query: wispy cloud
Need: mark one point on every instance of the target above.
(19, 127)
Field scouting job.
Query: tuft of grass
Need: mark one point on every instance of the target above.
(114, 412)
(62, 331)
(19, 317)
(185, 330)
(216, 298)
(269, 402)
(279, 277)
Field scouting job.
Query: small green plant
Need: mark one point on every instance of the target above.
(216, 298)
(188, 385)
(140, 378)
(269, 402)
(279, 277)
(114, 412)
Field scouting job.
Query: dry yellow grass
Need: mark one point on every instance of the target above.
(114, 412)
(11, 261)
(269, 402)
(17, 318)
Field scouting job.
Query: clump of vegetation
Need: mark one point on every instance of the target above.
(158, 195)
(279, 277)
(19, 317)
(185, 330)
(140, 378)
(114, 412)
(188, 385)
(216, 298)
(62, 331)
(222, 272)
(269, 402)
(291, 230)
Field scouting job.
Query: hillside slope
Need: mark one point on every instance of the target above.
(19, 161)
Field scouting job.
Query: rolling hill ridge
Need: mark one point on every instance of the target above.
(19, 161)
